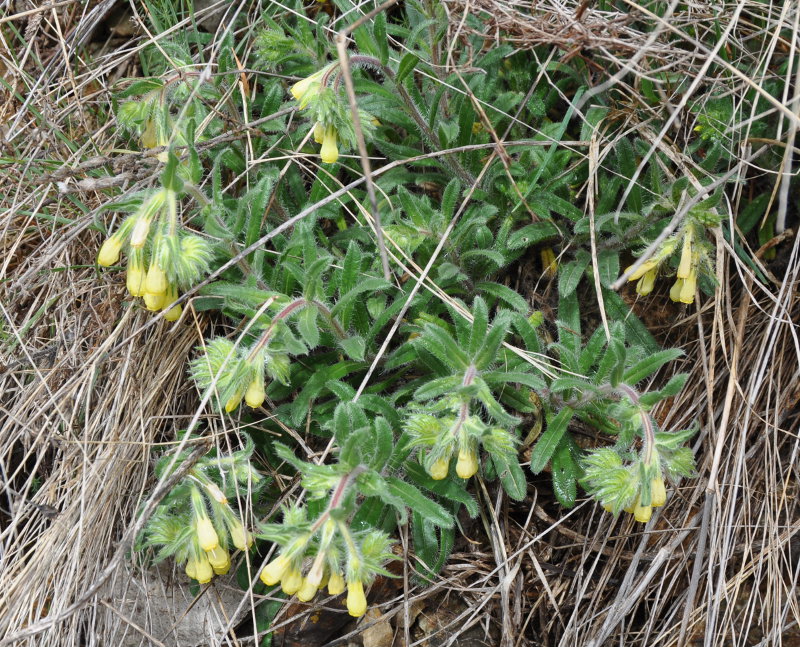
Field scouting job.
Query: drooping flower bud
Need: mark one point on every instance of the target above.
(233, 402)
(439, 469)
(336, 584)
(356, 600)
(219, 559)
(689, 286)
(273, 572)
(646, 283)
(643, 269)
(658, 493)
(154, 302)
(109, 251)
(307, 591)
(329, 152)
(642, 513)
(292, 582)
(300, 88)
(254, 396)
(174, 313)
(685, 265)
(319, 132)
(467, 464)
(156, 280)
(135, 277)
(676, 289)
(204, 570)
(206, 535)
(240, 538)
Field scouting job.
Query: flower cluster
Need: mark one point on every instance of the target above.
(695, 259)
(636, 488)
(461, 435)
(330, 115)
(161, 258)
(196, 524)
(208, 549)
(325, 553)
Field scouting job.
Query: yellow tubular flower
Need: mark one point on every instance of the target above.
(319, 132)
(273, 572)
(300, 88)
(307, 591)
(254, 396)
(646, 283)
(206, 535)
(549, 263)
(240, 538)
(335, 584)
(686, 256)
(156, 280)
(467, 464)
(109, 251)
(677, 288)
(439, 469)
(689, 285)
(234, 401)
(329, 152)
(149, 134)
(292, 582)
(658, 493)
(644, 269)
(191, 569)
(174, 313)
(642, 513)
(204, 571)
(154, 302)
(356, 600)
(135, 278)
(219, 559)
(607, 507)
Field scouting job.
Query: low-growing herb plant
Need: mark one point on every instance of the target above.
(414, 391)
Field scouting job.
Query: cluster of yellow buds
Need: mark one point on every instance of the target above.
(208, 553)
(647, 273)
(684, 288)
(172, 258)
(328, 540)
(693, 258)
(641, 511)
(466, 465)
(461, 435)
(325, 133)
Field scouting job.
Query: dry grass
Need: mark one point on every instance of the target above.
(89, 385)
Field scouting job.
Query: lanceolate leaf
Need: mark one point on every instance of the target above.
(550, 439)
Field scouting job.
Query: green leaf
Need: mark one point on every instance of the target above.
(307, 326)
(354, 347)
(407, 65)
(608, 266)
(503, 293)
(550, 439)
(532, 234)
(650, 364)
(511, 476)
(169, 176)
(450, 198)
(432, 548)
(379, 31)
(569, 275)
(419, 503)
(565, 475)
